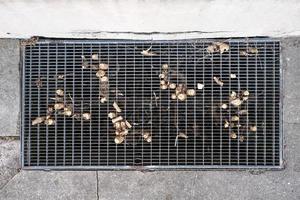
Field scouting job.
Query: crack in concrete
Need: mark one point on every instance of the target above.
(97, 184)
(19, 170)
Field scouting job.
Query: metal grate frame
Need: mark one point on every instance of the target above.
(79, 144)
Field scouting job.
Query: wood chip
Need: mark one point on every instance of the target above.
(58, 106)
(200, 86)
(128, 124)
(86, 116)
(118, 126)
(38, 120)
(191, 92)
(103, 66)
(218, 81)
(95, 57)
(59, 92)
(111, 115)
(124, 132)
(119, 139)
(116, 107)
(117, 119)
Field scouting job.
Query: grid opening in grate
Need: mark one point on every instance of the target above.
(72, 142)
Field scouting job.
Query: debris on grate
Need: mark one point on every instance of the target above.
(165, 103)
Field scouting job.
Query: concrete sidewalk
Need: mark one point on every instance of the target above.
(22, 184)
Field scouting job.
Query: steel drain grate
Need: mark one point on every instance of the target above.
(190, 104)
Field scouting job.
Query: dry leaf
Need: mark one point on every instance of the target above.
(116, 107)
(235, 118)
(103, 66)
(233, 135)
(224, 106)
(163, 86)
(86, 116)
(111, 115)
(252, 50)
(95, 57)
(242, 138)
(162, 76)
(253, 128)
(218, 81)
(172, 86)
(232, 76)
(191, 92)
(39, 82)
(103, 100)
(246, 93)
(173, 96)
(222, 47)
(49, 122)
(182, 135)
(200, 86)
(100, 73)
(243, 112)
(104, 79)
(119, 139)
(146, 135)
(236, 102)
(181, 96)
(212, 48)
(59, 92)
(226, 124)
(232, 95)
(148, 52)
(58, 106)
(38, 120)
(67, 111)
(165, 66)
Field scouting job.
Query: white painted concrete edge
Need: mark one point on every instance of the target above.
(134, 19)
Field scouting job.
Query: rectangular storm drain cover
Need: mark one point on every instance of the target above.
(125, 104)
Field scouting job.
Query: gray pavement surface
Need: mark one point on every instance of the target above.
(169, 185)
(9, 86)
